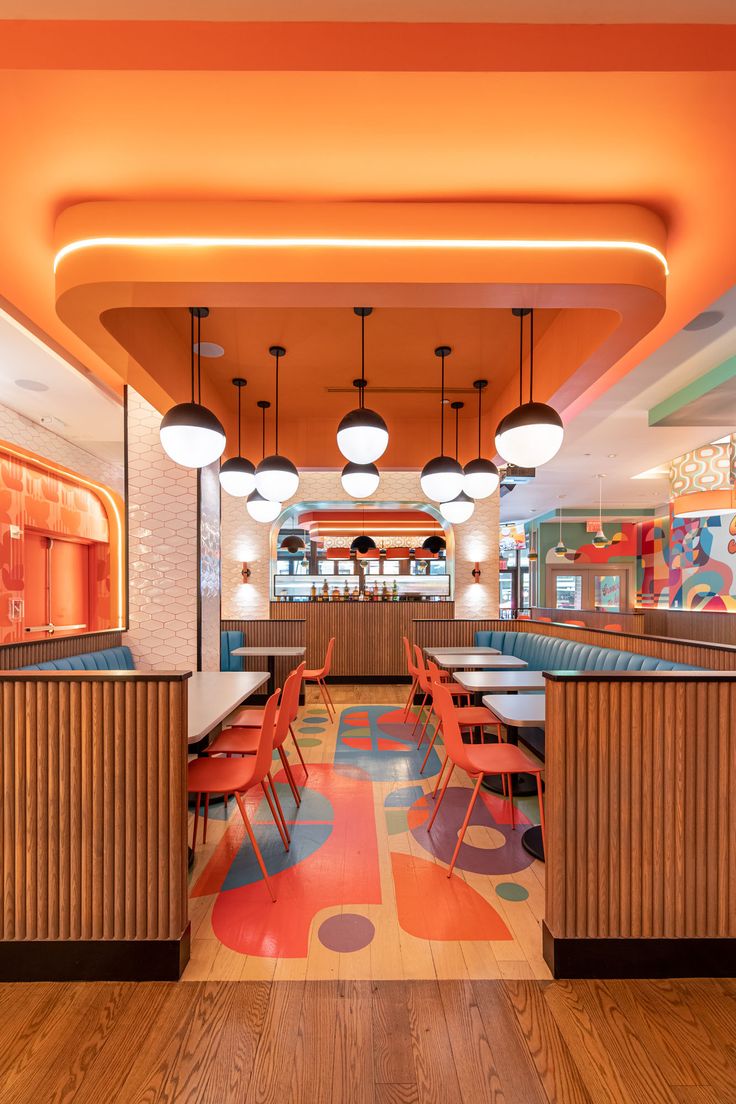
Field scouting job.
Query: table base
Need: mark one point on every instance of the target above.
(531, 841)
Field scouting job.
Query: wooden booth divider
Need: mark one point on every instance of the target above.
(630, 621)
(13, 656)
(93, 833)
(640, 776)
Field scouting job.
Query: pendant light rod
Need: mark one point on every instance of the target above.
(276, 351)
(521, 313)
(457, 407)
(239, 383)
(264, 405)
(531, 356)
(442, 351)
(480, 386)
(362, 313)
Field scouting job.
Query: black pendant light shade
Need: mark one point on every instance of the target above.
(531, 435)
(292, 544)
(460, 508)
(360, 480)
(362, 435)
(434, 544)
(363, 544)
(191, 435)
(276, 477)
(237, 475)
(442, 477)
(481, 477)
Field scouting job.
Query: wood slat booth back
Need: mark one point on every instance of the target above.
(632, 622)
(718, 657)
(13, 656)
(367, 634)
(641, 824)
(93, 834)
(719, 628)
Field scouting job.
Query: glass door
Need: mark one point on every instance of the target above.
(506, 598)
(568, 590)
(610, 591)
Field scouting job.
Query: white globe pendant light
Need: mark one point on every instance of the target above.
(531, 435)
(360, 480)
(238, 475)
(461, 507)
(276, 476)
(191, 435)
(442, 477)
(260, 508)
(481, 476)
(362, 435)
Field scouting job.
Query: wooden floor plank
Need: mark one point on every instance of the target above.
(547, 1048)
(393, 1054)
(274, 1063)
(232, 1063)
(352, 1069)
(515, 1069)
(436, 1077)
(313, 1049)
(397, 1094)
(474, 1063)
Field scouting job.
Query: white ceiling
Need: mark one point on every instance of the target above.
(612, 436)
(82, 413)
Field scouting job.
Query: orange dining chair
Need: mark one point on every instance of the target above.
(217, 775)
(412, 670)
(575, 624)
(253, 718)
(468, 717)
(243, 739)
(614, 627)
(548, 619)
(453, 688)
(319, 674)
(478, 760)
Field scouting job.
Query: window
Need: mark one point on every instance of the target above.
(326, 567)
(391, 567)
(344, 567)
(569, 592)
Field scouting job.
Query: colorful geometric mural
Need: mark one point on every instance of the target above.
(688, 563)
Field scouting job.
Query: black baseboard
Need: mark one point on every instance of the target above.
(638, 958)
(94, 959)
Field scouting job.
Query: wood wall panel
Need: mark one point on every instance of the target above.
(93, 832)
(717, 657)
(13, 656)
(641, 806)
(282, 632)
(367, 634)
(629, 622)
(719, 628)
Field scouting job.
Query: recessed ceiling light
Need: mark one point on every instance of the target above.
(612, 456)
(31, 385)
(704, 321)
(209, 349)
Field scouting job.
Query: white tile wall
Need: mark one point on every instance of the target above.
(244, 539)
(162, 526)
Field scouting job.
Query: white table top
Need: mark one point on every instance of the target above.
(479, 663)
(266, 650)
(499, 682)
(517, 710)
(432, 652)
(213, 695)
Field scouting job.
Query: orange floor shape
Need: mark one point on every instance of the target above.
(363, 892)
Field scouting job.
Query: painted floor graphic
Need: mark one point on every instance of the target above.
(363, 889)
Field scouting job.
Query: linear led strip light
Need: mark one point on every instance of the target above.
(175, 242)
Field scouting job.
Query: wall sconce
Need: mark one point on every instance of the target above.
(476, 573)
(245, 572)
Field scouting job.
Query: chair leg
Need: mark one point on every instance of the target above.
(289, 777)
(510, 795)
(431, 745)
(196, 821)
(541, 811)
(299, 752)
(419, 714)
(322, 688)
(410, 699)
(427, 719)
(329, 697)
(206, 815)
(254, 845)
(283, 832)
(461, 834)
(445, 784)
(277, 803)
(439, 777)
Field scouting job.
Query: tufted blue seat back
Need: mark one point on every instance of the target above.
(107, 659)
(552, 653)
(229, 639)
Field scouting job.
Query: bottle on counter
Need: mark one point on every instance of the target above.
(325, 592)
(313, 593)
(395, 591)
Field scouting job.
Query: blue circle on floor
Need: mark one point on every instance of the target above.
(510, 891)
(314, 720)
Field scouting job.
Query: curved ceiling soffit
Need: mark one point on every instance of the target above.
(606, 261)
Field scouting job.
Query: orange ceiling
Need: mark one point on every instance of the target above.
(535, 114)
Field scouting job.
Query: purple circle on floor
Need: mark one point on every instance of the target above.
(347, 932)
